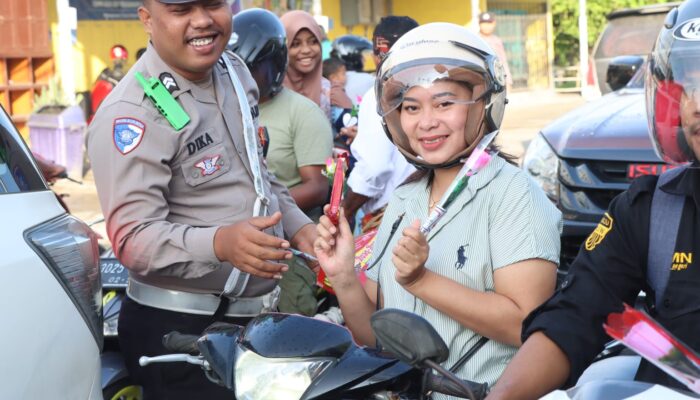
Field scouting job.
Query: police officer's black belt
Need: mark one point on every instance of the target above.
(199, 303)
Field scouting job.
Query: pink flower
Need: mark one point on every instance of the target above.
(646, 340)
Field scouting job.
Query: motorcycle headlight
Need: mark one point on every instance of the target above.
(542, 165)
(258, 377)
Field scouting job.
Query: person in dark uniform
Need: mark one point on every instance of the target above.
(620, 258)
(190, 207)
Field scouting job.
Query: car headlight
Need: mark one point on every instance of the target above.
(542, 164)
(258, 377)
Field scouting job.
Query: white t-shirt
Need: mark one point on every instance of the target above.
(379, 168)
(357, 84)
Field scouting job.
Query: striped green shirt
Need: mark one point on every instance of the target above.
(501, 218)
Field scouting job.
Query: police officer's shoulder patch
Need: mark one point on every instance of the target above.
(604, 227)
(128, 133)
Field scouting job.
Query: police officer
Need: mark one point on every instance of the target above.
(180, 176)
(622, 256)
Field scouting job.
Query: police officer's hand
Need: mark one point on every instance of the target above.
(409, 255)
(304, 240)
(246, 246)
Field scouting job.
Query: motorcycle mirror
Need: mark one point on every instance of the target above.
(408, 337)
(621, 70)
(218, 346)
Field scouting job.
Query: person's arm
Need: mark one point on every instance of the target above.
(312, 139)
(313, 189)
(519, 288)
(133, 191)
(49, 169)
(338, 96)
(498, 315)
(522, 381)
(563, 335)
(335, 249)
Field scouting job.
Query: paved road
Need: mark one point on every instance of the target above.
(526, 114)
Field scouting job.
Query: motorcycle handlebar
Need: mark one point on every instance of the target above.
(440, 384)
(180, 343)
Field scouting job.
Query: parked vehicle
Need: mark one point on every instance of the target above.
(50, 299)
(630, 31)
(591, 154)
(282, 356)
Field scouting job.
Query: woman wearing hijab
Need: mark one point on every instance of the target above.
(304, 73)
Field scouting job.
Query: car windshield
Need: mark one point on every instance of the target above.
(17, 171)
(629, 35)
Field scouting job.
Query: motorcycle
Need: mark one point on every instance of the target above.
(285, 356)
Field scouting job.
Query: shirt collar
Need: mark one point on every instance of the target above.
(418, 195)
(687, 183)
(155, 66)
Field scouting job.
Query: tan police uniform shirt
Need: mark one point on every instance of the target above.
(164, 193)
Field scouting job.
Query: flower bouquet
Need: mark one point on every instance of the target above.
(477, 160)
(641, 333)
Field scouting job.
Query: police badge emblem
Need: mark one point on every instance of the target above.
(599, 233)
(209, 165)
(128, 133)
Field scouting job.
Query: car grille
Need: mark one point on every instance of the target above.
(586, 189)
(609, 171)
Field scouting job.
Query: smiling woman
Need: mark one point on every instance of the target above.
(491, 258)
(189, 37)
(305, 72)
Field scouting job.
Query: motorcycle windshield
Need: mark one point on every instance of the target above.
(282, 336)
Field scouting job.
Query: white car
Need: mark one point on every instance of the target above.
(50, 295)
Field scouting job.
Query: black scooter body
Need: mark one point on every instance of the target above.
(356, 372)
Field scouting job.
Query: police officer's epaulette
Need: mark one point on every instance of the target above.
(164, 101)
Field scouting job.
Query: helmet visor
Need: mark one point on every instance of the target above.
(676, 109)
(392, 89)
(433, 90)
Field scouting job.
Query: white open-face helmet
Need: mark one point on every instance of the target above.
(438, 52)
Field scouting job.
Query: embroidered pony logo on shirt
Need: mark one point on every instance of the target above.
(461, 257)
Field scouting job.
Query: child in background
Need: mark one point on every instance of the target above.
(334, 70)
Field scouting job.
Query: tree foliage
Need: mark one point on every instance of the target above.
(565, 17)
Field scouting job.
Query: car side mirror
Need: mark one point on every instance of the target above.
(621, 70)
(408, 337)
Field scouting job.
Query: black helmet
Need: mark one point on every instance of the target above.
(261, 41)
(350, 49)
(673, 84)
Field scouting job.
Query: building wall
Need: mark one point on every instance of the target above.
(455, 11)
(92, 43)
(94, 40)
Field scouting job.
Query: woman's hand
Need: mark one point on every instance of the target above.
(410, 255)
(335, 247)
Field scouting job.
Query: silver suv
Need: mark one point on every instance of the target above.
(50, 295)
(629, 32)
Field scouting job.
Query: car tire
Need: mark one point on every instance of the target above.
(123, 389)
